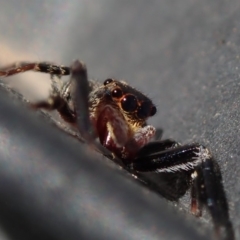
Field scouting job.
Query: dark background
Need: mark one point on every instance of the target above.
(184, 54)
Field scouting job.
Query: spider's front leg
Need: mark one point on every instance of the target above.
(80, 90)
(43, 67)
(56, 100)
(207, 187)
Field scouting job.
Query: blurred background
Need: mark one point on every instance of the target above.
(183, 54)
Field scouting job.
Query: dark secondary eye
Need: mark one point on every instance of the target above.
(129, 103)
(145, 110)
(153, 111)
(117, 93)
(107, 81)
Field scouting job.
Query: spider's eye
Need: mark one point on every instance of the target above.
(117, 93)
(107, 81)
(145, 110)
(129, 103)
(153, 111)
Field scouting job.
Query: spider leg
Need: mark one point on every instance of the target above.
(44, 67)
(156, 146)
(56, 102)
(214, 197)
(170, 185)
(52, 103)
(65, 128)
(80, 92)
(170, 160)
(206, 176)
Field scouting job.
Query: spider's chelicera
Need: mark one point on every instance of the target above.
(116, 114)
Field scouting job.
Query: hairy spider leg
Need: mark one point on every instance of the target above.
(48, 105)
(163, 145)
(56, 102)
(157, 146)
(206, 176)
(44, 67)
(80, 92)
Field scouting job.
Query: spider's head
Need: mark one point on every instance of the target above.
(135, 106)
(119, 113)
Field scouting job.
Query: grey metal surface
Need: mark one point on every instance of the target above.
(184, 54)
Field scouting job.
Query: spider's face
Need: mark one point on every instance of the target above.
(118, 113)
(135, 107)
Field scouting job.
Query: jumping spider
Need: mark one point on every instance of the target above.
(116, 114)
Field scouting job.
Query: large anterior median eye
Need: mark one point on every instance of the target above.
(129, 103)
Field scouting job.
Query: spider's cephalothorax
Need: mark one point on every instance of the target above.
(116, 114)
